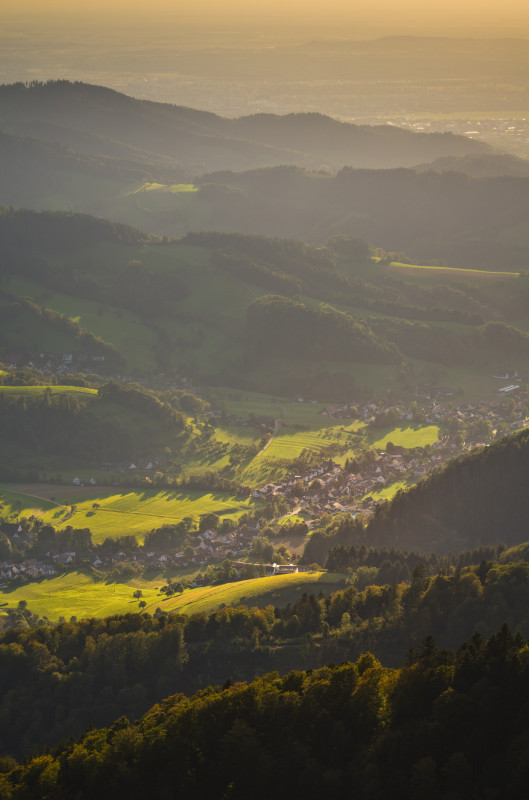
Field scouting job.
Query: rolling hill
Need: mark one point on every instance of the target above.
(74, 113)
(263, 314)
(170, 170)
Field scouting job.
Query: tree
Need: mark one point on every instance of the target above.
(208, 521)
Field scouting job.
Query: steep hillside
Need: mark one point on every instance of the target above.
(64, 430)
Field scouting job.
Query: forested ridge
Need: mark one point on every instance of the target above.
(448, 724)
(279, 325)
(340, 303)
(199, 138)
(22, 320)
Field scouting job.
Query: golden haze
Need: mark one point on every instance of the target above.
(469, 14)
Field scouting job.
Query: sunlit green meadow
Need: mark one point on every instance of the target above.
(273, 590)
(80, 595)
(84, 393)
(406, 436)
(388, 492)
(111, 514)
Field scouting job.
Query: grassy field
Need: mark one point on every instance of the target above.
(405, 436)
(32, 391)
(77, 594)
(14, 503)
(388, 492)
(275, 590)
(453, 272)
(289, 411)
(173, 188)
(119, 512)
(80, 595)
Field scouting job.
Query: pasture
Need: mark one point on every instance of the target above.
(118, 513)
(82, 595)
(173, 188)
(274, 590)
(388, 492)
(405, 436)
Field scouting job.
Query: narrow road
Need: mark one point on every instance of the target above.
(277, 425)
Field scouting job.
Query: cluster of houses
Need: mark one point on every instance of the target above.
(326, 489)
(210, 546)
(336, 490)
(30, 569)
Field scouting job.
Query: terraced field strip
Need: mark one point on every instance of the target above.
(28, 391)
(455, 272)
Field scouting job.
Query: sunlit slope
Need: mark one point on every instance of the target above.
(81, 595)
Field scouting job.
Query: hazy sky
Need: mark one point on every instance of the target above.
(507, 16)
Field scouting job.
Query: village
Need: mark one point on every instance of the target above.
(307, 498)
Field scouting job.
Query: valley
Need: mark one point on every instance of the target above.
(264, 408)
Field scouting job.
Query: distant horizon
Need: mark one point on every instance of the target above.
(288, 57)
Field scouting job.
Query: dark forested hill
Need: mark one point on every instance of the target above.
(446, 725)
(71, 113)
